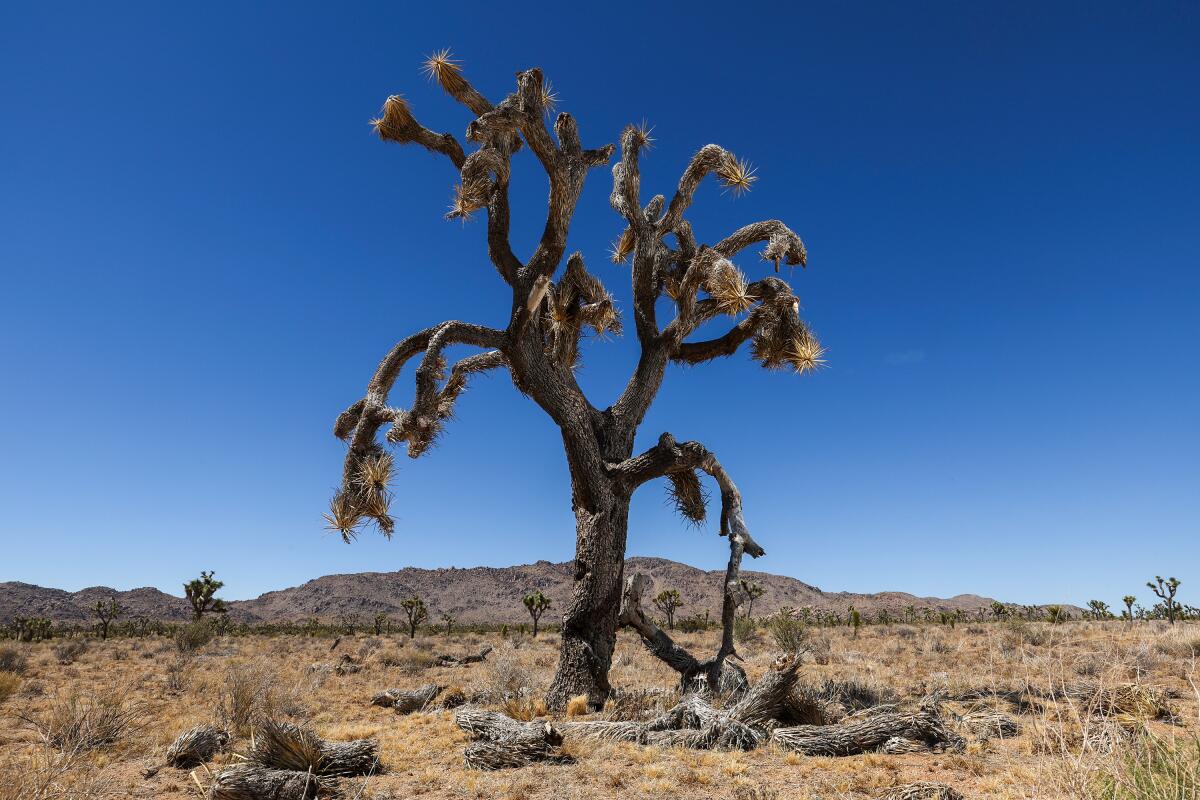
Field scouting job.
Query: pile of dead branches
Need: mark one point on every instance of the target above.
(447, 660)
(502, 742)
(770, 710)
(290, 762)
(406, 702)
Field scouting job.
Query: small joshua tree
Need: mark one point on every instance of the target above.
(414, 609)
(536, 604)
(999, 610)
(200, 591)
(1056, 614)
(855, 620)
(448, 618)
(380, 623)
(106, 612)
(1166, 590)
(753, 592)
(1129, 600)
(550, 307)
(668, 601)
(1099, 610)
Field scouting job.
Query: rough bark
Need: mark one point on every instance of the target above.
(196, 746)
(504, 743)
(589, 623)
(252, 782)
(870, 733)
(407, 702)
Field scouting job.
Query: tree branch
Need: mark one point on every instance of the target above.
(367, 466)
(734, 174)
(397, 124)
(782, 243)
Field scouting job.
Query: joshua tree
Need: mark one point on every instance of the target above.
(200, 593)
(1056, 614)
(855, 620)
(380, 623)
(106, 613)
(753, 592)
(536, 604)
(448, 618)
(999, 610)
(414, 609)
(1166, 590)
(1099, 609)
(1129, 600)
(668, 602)
(539, 344)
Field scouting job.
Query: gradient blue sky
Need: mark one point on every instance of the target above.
(205, 252)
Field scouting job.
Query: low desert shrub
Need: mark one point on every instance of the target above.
(504, 675)
(193, 636)
(14, 660)
(410, 660)
(1157, 769)
(744, 630)
(76, 725)
(248, 693)
(67, 652)
(789, 632)
(692, 624)
(9, 683)
(43, 775)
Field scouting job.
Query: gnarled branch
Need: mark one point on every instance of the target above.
(367, 467)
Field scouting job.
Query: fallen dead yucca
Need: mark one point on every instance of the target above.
(284, 746)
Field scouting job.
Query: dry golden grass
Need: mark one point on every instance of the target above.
(232, 680)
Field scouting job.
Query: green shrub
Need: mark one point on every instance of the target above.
(692, 624)
(744, 629)
(789, 632)
(192, 637)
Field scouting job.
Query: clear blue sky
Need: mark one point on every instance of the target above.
(206, 251)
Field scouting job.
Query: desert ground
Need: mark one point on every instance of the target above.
(1069, 744)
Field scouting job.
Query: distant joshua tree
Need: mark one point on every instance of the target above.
(448, 618)
(106, 613)
(546, 315)
(668, 601)
(1166, 590)
(1056, 614)
(414, 609)
(1099, 610)
(999, 610)
(854, 620)
(200, 591)
(536, 604)
(380, 623)
(1129, 600)
(753, 592)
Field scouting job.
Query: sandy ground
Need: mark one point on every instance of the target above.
(166, 693)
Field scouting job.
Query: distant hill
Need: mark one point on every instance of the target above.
(475, 594)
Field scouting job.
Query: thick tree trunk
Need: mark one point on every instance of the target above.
(589, 623)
